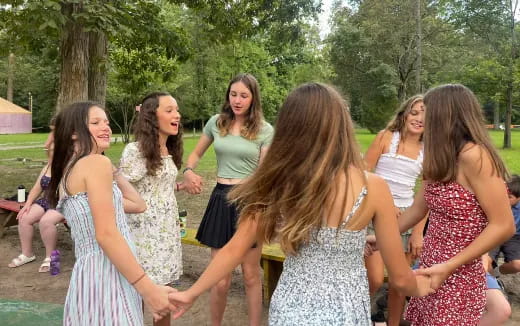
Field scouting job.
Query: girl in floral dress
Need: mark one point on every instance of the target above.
(151, 164)
(469, 214)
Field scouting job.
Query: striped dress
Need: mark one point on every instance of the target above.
(98, 294)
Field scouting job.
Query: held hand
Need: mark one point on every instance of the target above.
(423, 286)
(182, 303)
(192, 182)
(157, 301)
(371, 245)
(415, 245)
(438, 274)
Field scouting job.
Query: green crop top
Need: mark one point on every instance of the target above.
(237, 157)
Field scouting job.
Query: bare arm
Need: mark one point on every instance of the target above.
(374, 151)
(388, 238)
(132, 201)
(415, 213)
(192, 182)
(223, 263)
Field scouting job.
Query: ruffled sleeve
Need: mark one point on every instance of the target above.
(132, 164)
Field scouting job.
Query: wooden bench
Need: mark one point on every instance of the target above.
(271, 262)
(8, 211)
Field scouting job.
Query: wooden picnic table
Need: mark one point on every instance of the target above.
(8, 211)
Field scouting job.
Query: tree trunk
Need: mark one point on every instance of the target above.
(97, 73)
(509, 110)
(496, 116)
(10, 77)
(74, 58)
(510, 77)
(418, 86)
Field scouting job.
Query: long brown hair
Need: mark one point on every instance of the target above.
(454, 118)
(71, 121)
(255, 116)
(312, 144)
(146, 131)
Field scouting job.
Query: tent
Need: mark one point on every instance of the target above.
(14, 119)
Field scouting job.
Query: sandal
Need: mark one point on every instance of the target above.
(45, 267)
(21, 260)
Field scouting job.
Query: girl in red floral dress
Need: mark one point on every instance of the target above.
(469, 214)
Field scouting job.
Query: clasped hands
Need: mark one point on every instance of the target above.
(192, 183)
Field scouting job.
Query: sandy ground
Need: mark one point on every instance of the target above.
(25, 283)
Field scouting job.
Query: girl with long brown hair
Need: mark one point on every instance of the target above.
(312, 194)
(241, 138)
(396, 155)
(107, 284)
(151, 165)
(469, 214)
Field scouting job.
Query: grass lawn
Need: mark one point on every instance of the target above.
(16, 171)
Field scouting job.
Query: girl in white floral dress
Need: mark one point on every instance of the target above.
(151, 165)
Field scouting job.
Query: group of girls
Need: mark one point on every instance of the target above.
(304, 185)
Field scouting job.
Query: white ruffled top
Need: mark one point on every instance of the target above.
(400, 172)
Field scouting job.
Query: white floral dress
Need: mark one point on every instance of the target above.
(156, 232)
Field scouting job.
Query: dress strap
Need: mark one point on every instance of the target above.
(394, 143)
(357, 203)
(421, 153)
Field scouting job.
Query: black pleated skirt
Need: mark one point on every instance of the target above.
(218, 224)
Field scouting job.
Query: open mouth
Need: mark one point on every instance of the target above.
(174, 124)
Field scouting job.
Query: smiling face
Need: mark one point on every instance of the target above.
(240, 98)
(99, 128)
(415, 119)
(168, 116)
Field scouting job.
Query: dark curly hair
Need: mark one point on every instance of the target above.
(146, 131)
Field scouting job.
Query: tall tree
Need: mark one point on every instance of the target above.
(493, 21)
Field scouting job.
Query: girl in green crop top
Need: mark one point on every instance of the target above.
(240, 137)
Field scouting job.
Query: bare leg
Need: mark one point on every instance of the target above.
(26, 229)
(375, 271)
(497, 311)
(218, 296)
(396, 301)
(48, 230)
(253, 285)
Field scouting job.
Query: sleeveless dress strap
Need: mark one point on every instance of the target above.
(394, 143)
(421, 153)
(357, 203)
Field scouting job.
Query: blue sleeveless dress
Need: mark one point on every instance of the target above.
(325, 283)
(98, 294)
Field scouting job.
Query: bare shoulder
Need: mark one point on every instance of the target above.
(375, 183)
(384, 136)
(94, 163)
(475, 160)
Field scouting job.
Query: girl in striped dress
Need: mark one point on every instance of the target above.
(107, 282)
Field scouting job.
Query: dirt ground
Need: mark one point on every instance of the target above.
(25, 283)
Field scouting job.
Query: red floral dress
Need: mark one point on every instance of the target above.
(455, 220)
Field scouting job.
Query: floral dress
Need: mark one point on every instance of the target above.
(456, 219)
(156, 232)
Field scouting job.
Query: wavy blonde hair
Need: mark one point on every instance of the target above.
(312, 144)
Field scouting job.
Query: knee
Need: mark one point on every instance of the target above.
(516, 265)
(223, 285)
(251, 277)
(374, 283)
(501, 313)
